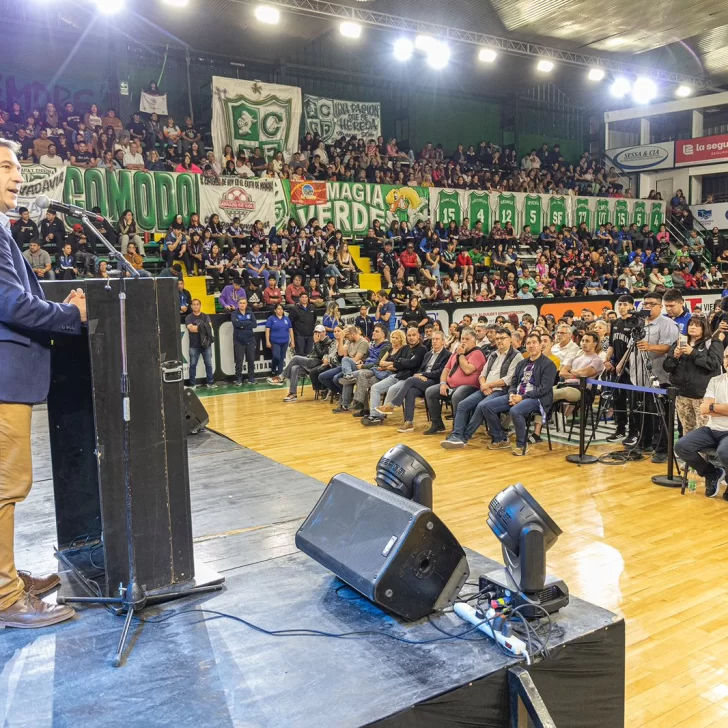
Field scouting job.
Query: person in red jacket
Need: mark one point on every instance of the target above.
(294, 290)
(409, 260)
(465, 263)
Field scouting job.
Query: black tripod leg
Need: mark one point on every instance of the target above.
(116, 661)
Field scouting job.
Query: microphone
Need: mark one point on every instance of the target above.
(44, 203)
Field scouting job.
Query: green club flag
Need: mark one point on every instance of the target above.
(479, 209)
(533, 213)
(507, 209)
(603, 216)
(448, 207)
(557, 212)
(582, 212)
(621, 213)
(639, 213)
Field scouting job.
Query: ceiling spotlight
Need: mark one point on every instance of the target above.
(109, 7)
(621, 87)
(350, 30)
(438, 55)
(423, 42)
(267, 14)
(403, 49)
(487, 55)
(644, 90)
(683, 91)
(595, 74)
(545, 66)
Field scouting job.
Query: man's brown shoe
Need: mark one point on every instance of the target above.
(29, 612)
(39, 585)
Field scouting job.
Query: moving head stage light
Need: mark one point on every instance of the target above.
(385, 541)
(526, 533)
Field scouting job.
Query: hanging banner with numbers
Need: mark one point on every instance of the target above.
(334, 118)
(603, 212)
(639, 213)
(621, 213)
(448, 205)
(533, 213)
(251, 114)
(507, 209)
(583, 211)
(478, 208)
(657, 214)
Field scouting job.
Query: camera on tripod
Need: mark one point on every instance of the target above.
(637, 319)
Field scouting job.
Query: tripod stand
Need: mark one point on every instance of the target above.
(133, 597)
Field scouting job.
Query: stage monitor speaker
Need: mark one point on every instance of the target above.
(196, 417)
(395, 552)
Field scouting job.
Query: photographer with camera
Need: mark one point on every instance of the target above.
(646, 366)
(619, 338)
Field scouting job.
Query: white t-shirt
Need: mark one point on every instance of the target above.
(54, 161)
(567, 353)
(718, 391)
(135, 159)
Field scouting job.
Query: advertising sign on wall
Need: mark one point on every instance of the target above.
(703, 150)
(642, 157)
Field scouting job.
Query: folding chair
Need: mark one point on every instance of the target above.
(529, 421)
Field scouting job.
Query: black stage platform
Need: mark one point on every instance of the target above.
(190, 672)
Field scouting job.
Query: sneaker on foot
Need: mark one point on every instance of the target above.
(616, 436)
(452, 443)
(238, 384)
(211, 386)
(534, 439)
(659, 457)
(385, 409)
(361, 413)
(356, 406)
(341, 408)
(372, 421)
(502, 445)
(711, 482)
(631, 441)
(291, 398)
(434, 429)
(519, 451)
(407, 427)
(255, 381)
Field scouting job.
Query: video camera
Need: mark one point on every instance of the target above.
(638, 318)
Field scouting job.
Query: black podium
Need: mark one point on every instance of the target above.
(86, 437)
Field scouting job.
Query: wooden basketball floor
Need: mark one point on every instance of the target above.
(646, 552)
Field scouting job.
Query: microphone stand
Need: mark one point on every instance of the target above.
(132, 598)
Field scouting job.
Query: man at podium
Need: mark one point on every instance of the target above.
(27, 322)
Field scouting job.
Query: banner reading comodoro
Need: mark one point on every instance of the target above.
(702, 150)
(156, 197)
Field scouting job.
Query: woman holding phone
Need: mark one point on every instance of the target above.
(693, 360)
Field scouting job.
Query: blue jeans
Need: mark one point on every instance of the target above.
(207, 358)
(327, 378)
(278, 356)
(497, 405)
(470, 414)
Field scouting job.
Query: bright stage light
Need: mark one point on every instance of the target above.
(267, 14)
(595, 74)
(683, 91)
(545, 66)
(438, 55)
(176, 3)
(487, 55)
(349, 29)
(621, 87)
(644, 90)
(109, 7)
(403, 49)
(424, 42)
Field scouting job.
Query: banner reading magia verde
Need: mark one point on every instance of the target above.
(334, 118)
(250, 114)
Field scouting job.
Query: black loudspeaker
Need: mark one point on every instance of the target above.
(196, 417)
(395, 552)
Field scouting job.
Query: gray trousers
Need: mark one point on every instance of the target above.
(295, 368)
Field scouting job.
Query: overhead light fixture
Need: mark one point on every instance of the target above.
(595, 74)
(109, 7)
(545, 66)
(423, 42)
(349, 29)
(267, 14)
(438, 55)
(487, 55)
(403, 49)
(176, 3)
(683, 91)
(644, 90)
(620, 87)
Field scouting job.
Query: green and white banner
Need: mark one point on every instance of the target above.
(354, 206)
(40, 180)
(247, 199)
(250, 114)
(334, 118)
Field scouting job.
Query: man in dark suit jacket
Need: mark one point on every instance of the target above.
(27, 322)
(429, 373)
